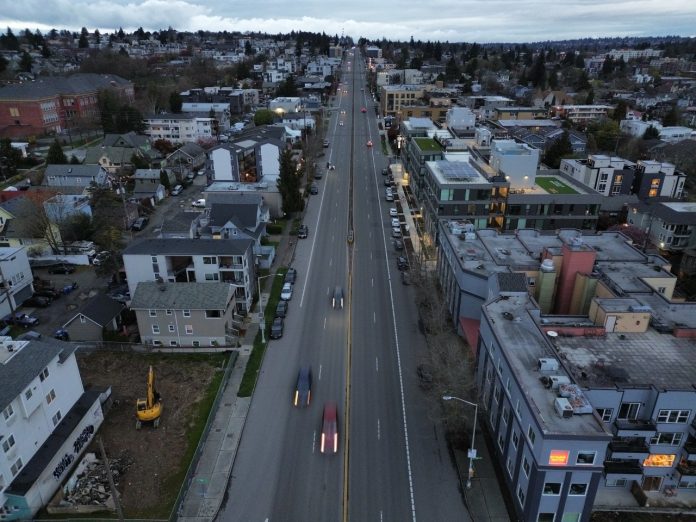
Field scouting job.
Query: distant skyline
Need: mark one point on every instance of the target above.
(443, 20)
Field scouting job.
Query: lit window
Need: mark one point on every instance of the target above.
(659, 461)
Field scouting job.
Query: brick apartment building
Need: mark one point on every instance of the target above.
(53, 104)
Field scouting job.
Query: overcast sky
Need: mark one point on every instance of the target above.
(444, 20)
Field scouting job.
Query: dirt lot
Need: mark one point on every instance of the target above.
(639, 517)
(160, 456)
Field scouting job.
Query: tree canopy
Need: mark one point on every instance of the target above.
(55, 155)
(289, 184)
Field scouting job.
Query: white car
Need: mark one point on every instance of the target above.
(286, 292)
(199, 203)
(393, 212)
(395, 223)
(177, 190)
(340, 123)
(396, 232)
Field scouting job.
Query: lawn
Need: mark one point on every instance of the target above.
(554, 186)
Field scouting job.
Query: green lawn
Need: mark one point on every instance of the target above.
(428, 144)
(554, 186)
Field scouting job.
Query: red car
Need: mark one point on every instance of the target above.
(329, 428)
(369, 143)
(363, 109)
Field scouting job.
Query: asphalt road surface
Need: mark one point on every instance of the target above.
(392, 463)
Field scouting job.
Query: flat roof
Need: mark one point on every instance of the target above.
(628, 276)
(456, 173)
(527, 123)
(554, 185)
(631, 359)
(681, 206)
(523, 344)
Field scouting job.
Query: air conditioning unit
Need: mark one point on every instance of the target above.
(563, 407)
(547, 364)
(557, 380)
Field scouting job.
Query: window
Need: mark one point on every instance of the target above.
(50, 396)
(506, 414)
(28, 394)
(173, 343)
(501, 441)
(508, 465)
(525, 466)
(546, 517)
(196, 344)
(43, 375)
(57, 417)
(155, 329)
(586, 458)
(152, 313)
(687, 485)
(213, 314)
(189, 329)
(210, 260)
(616, 483)
(16, 467)
(186, 313)
(496, 393)
(673, 416)
(171, 328)
(531, 435)
(520, 495)
(673, 439)
(628, 411)
(552, 488)
(156, 343)
(168, 312)
(605, 413)
(212, 277)
(659, 461)
(8, 412)
(515, 439)
(8, 443)
(14, 112)
(578, 489)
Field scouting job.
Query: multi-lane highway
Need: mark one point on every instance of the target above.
(392, 462)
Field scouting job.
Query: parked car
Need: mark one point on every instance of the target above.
(326, 143)
(63, 268)
(103, 256)
(393, 212)
(277, 328)
(121, 297)
(303, 232)
(31, 335)
(318, 174)
(199, 203)
(396, 232)
(398, 244)
(21, 319)
(140, 223)
(395, 222)
(38, 301)
(385, 171)
(177, 190)
(290, 276)
(286, 292)
(402, 263)
(314, 189)
(61, 335)
(49, 292)
(281, 309)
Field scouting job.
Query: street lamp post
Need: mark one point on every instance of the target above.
(262, 320)
(472, 451)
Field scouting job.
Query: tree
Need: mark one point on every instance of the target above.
(248, 49)
(287, 88)
(583, 82)
(164, 179)
(651, 133)
(83, 42)
(9, 158)
(9, 41)
(74, 160)
(263, 117)
(289, 184)
(55, 155)
(537, 75)
(3, 64)
(671, 118)
(619, 111)
(559, 149)
(26, 62)
(175, 102)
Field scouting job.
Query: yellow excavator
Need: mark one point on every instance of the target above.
(149, 409)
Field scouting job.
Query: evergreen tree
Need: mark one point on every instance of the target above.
(164, 179)
(671, 118)
(559, 149)
(619, 111)
(9, 41)
(55, 155)
(26, 62)
(3, 64)
(651, 133)
(537, 74)
(83, 42)
(289, 184)
(175, 102)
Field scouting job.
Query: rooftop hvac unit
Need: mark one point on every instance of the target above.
(563, 407)
(557, 380)
(547, 364)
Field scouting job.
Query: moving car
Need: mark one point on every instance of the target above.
(363, 110)
(102, 256)
(286, 292)
(303, 232)
(281, 309)
(139, 224)
(369, 143)
(277, 328)
(303, 387)
(402, 263)
(340, 123)
(199, 203)
(63, 268)
(329, 428)
(337, 300)
(290, 276)
(177, 190)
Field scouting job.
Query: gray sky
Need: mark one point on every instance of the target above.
(444, 20)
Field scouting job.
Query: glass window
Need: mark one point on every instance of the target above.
(171, 328)
(520, 495)
(515, 439)
(501, 441)
(8, 443)
(525, 466)
(577, 489)
(586, 458)
(605, 413)
(628, 411)
(552, 488)
(546, 517)
(155, 329)
(673, 416)
(50, 396)
(168, 312)
(43, 375)
(152, 313)
(28, 394)
(8, 412)
(16, 467)
(616, 483)
(531, 434)
(673, 439)
(56, 418)
(186, 313)
(189, 329)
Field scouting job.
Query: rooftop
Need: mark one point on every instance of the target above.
(189, 247)
(182, 296)
(428, 145)
(455, 173)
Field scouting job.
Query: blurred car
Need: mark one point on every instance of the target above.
(51, 293)
(385, 171)
(363, 110)
(425, 376)
(121, 297)
(63, 268)
(21, 319)
(313, 189)
(343, 111)
(286, 292)
(31, 335)
(337, 300)
(325, 143)
(290, 276)
(340, 123)
(199, 203)
(303, 387)
(61, 335)
(396, 232)
(38, 301)
(190, 176)
(395, 222)
(177, 190)
(277, 328)
(102, 256)
(139, 223)
(281, 309)
(369, 143)
(402, 263)
(398, 244)
(393, 212)
(329, 428)
(303, 232)
(387, 182)
(318, 174)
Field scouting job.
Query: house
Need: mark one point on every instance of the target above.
(26, 223)
(135, 142)
(185, 314)
(194, 260)
(251, 157)
(97, 315)
(234, 216)
(113, 159)
(16, 278)
(81, 176)
(670, 226)
(48, 420)
(148, 184)
(190, 157)
(66, 206)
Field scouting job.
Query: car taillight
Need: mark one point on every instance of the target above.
(323, 436)
(297, 395)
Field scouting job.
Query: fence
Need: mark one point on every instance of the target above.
(106, 346)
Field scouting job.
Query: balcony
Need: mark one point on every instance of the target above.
(634, 428)
(690, 448)
(627, 469)
(630, 449)
(687, 468)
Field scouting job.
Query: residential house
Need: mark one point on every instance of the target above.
(140, 142)
(15, 278)
(234, 216)
(25, 223)
(190, 157)
(99, 314)
(47, 423)
(228, 261)
(75, 176)
(113, 160)
(185, 314)
(66, 206)
(148, 184)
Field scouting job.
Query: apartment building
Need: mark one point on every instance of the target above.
(394, 98)
(15, 278)
(485, 107)
(670, 226)
(519, 113)
(180, 128)
(583, 113)
(585, 367)
(48, 420)
(211, 261)
(185, 314)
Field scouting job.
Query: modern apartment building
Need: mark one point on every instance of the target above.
(583, 113)
(393, 98)
(670, 226)
(47, 422)
(180, 128)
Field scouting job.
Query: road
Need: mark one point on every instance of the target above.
(363, 357)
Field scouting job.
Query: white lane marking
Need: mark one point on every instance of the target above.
(374, 317)
(333, 238)
(320, 369)
(324, 323)
(314, 440)
(381, 516)
(379, 434)
(373, 281)
(377, 364)
(314, 241)
(331, 261)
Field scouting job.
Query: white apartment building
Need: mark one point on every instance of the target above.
(634, 54)
(460, 119)
(15, 279)
(583, 113)
(286, 104)
(179, 128)
(672, 134)
(47, 422)
(518, 162)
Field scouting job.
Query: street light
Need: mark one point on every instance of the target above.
(262, 320)
(472, 451)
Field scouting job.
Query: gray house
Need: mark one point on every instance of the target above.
(98, 314)
(185, 314)
(187, 158)
(74, 175)
(234, 216)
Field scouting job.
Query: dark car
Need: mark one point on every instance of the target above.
(38, 301)
(290, 276)
(318, 174)
(402, 263)
(313, 189)
(21, 319)
(139, 224)
(49, 292)
(425, 376)
(303, 387)
(63, 268)
(61, 335)
(385, 171)
(277, 328)
(281, 309)
(121, 297)
(388, 182)
(329, 429)
(303, 232)
(337, 300)
(398, 244)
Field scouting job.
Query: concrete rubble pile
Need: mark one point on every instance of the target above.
(90, 484)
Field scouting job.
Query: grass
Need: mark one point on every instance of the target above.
(428, 144)
(554, 185)
(246, 387)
